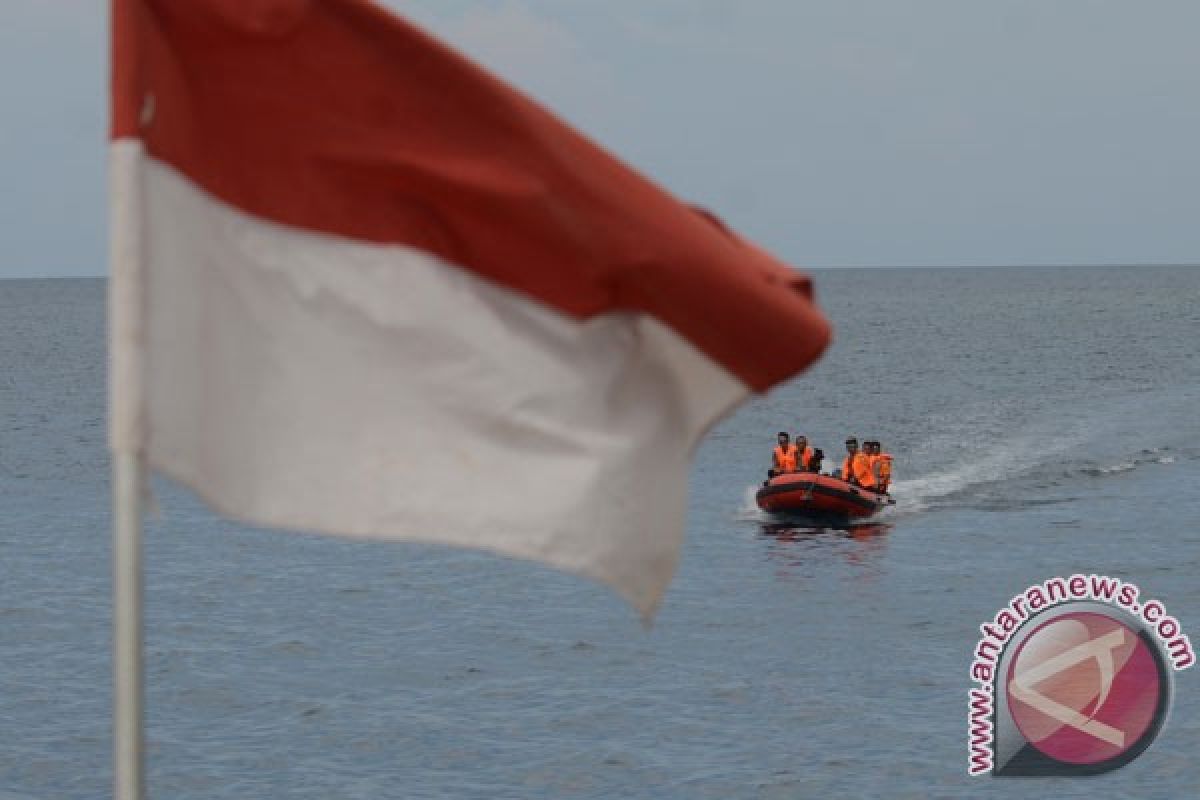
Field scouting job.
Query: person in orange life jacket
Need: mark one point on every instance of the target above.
(883, 470)
(804, 454)
(847, 473)
(783, 460)
(864, 472)
(872, 448)
(879, 465)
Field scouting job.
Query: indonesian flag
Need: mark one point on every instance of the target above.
(360, 286)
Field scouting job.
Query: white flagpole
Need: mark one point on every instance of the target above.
(126, 297)
(128, 767)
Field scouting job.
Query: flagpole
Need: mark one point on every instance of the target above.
(126, 420)
(128, 764)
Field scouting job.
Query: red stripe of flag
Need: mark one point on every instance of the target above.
(338, 117)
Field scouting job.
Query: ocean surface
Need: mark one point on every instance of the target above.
(1044, 422)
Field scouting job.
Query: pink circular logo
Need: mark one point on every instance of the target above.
(1085, 688)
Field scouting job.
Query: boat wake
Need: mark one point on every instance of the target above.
(1008, 479)
(1048, 460)
(993, 482)
(749, 510)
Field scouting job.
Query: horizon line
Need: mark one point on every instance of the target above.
(1060, 265)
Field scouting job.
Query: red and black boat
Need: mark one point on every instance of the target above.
(812, 494)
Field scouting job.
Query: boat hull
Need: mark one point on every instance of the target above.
(819, 495)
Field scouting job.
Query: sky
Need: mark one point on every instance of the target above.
(835, 133)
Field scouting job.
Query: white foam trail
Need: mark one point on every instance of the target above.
(1011, 459)
(1015, 455)
(749, 509)
(914, 494)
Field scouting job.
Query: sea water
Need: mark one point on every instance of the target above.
(1043, 422)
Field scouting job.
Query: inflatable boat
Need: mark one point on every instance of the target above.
(812, 494)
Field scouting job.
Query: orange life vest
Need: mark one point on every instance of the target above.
(806, 458)
(785, 460)
(885, 470)
(864, 472)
